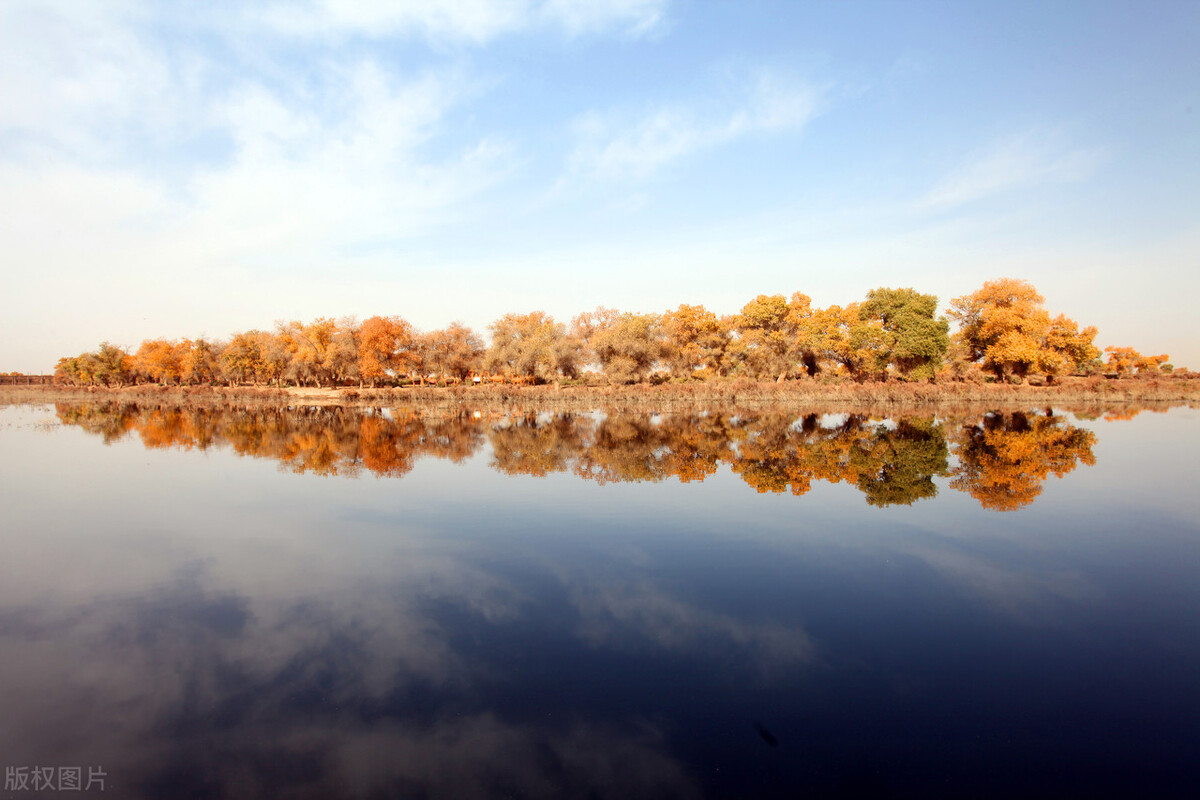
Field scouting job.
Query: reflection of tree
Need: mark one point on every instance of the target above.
(771, 456)
(110, 421)
(624, 449)
(532, 445)
(1004, 460)
(902, 463)
(697, 445)
(888, 464)
(385, 447)
(454, 438)
(320, 441)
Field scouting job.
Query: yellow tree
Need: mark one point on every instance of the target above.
(310, 348)
(858, 344)
(159, 360)
(1075, 346)
(198, 362)
(774, 335)
(242, 358)
(695, 338)
(1126, 361)
(1005, 327)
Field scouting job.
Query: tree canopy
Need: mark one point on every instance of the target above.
(893, 334)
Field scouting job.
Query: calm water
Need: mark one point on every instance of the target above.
(325, 603)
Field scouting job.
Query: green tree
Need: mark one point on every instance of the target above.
(917, 340)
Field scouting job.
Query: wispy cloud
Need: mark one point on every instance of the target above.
(1026, 159)
(79, 82)
(355, 174)
(475, 21)
(100, 121)
(618, 145)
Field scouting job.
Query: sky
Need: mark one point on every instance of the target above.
(199, 169)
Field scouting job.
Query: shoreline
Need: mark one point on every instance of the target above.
(1087, 393)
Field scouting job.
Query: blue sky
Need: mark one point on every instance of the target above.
(181, 170)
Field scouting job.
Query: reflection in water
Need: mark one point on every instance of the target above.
(187, 692)
(202, 628)
(1003, 460)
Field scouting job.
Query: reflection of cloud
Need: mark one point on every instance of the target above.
(481, 756)
(1021, 590)
(617, 614)
(186, 686)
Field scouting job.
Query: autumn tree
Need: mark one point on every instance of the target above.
(159, 360)
(916, 340)
(312, 349)
(695, 338)
(386, 348)
(533, 346)
(1074, 345)
(627, 346)
(1125, 361)
(1005, 327)
(859, 345)
(774, 335)
(341, 360)
(112, 365)
(456, 351)
(256, 356)
(199, 362)
(70, 369)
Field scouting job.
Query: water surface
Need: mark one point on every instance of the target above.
(342, 603)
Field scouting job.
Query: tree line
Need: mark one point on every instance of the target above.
(1002, 460)
(1003, 330)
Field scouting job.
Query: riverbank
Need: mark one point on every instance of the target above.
(1070, 394)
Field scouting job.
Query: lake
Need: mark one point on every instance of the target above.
(363, 603)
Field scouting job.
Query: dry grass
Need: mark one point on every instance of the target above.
(1089, 395)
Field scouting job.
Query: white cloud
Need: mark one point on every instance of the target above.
(303, 182)
(475, 21)
(77, 79)
(1025, 159)
(613, 146)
